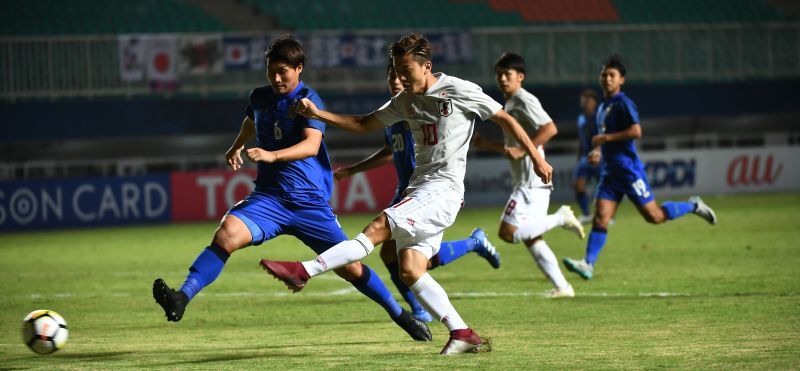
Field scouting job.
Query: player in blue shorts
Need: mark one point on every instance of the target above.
(585, 172)
(398, 146)
(623, 173)
(291, 195)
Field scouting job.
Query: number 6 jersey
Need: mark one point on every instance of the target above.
(442, 122)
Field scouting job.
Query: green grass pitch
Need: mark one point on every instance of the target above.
(680, 295)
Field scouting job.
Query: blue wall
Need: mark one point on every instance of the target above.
(106, 118)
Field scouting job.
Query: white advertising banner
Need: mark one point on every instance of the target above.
(703, 172)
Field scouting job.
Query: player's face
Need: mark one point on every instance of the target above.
(395, 86)
(611, 81)
(508, 80)
(412, 73)
(588, 105)
(283, 77)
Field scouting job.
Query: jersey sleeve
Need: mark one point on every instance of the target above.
(535, 113)
(311, 123)
(631, 112)
(389, 113)
(479, 103)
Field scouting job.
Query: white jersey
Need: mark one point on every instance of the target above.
(528, 111)
(441, 123)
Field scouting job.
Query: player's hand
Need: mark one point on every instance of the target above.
(543, 170)
(594, 157)
(477, 140)
(260, 155)
(341, 173)
(599, 139)
(515, 153)
(233, 158)
(307, 108)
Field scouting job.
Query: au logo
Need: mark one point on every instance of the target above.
(445, 107)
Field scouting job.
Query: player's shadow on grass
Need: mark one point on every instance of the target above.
(232, 357)
(91, 356)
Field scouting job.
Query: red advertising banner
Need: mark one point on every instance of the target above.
(207, 195)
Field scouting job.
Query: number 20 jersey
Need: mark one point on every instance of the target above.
(442, 122)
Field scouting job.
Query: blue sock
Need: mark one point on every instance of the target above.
(205, 269)
(677, 209)
(408, 295)
(453, 250)
(596, 241)
(583, 202)
(371, 285)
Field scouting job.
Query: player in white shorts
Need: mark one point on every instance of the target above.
(525, 217)
(441, 111)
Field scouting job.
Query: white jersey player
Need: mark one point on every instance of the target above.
(525, 217)
(441, 111)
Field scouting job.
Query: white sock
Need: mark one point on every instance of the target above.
(343, 253)
(536, 227)
(433, 297)
(547, 262)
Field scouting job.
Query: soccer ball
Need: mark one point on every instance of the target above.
(44, 331)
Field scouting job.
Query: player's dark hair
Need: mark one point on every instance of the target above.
(615, 62)
(286, 49)
(414, 44)
(389, 67)
(589, 93)
(510, 61)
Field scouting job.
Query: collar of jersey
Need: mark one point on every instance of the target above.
(616, 96)
(295, 91)
(439, 77)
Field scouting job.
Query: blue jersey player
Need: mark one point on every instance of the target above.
(584, 171)
(291, 195)
(398, 147)
(623, 173)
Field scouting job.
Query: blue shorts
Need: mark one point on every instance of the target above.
(584, 170)
(633, 183)
(312, 221)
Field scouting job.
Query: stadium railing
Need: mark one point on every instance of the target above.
(88, 66)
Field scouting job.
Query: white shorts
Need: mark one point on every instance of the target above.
(419, 220)
(526, 203)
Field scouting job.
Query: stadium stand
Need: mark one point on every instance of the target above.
(366, 14)
(99, 17)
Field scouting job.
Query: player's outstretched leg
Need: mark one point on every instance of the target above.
(548, 264)
(702, 210)
(173, 302)
(533, 228)
(417, 311)
(205, 269)
(477, 242)
(372, 287)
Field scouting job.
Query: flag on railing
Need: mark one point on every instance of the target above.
(131, 57)
(200, 55)
(237, 53)
(161, 58)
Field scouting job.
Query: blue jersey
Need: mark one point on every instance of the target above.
(616, 114)
(398, 137)
(278, 127)
(586, 130)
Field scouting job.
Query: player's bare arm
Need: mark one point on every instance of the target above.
(544, 134)
(305, 148)
(632, 132)
(488, 144)
(508, 123)
(233, 156)
(382, 156)
(358, 124)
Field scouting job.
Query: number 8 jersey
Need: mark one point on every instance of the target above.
(442, 122)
